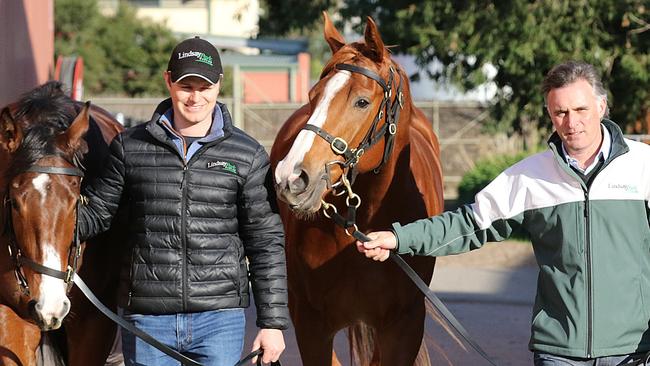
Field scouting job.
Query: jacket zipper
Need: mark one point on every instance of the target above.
(589, 284)
(183, 234)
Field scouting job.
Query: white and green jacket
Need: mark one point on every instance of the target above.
(592, 245)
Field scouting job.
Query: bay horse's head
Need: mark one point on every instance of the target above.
(349, 124)
(41, 190)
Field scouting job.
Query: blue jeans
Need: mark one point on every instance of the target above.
(212, 338)
(547, 359)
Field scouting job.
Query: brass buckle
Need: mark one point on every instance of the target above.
(336, 149)
(327, 206)
(356, 228)
(69, 275)
(349, 199)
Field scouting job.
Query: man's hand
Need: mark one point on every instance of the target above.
(272, 342)
(379, 246)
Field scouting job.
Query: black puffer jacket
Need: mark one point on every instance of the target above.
(193, 224)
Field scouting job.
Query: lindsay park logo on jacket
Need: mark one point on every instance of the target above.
(225, 165)
(630, 188)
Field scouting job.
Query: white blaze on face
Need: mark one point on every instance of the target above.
(40, 183)
(53, 302)
(285, 169)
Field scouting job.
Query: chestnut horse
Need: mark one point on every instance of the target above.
(360, 142)
(44, 138)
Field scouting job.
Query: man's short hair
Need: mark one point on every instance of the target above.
(571, 71)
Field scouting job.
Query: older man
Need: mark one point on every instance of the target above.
(584, 203)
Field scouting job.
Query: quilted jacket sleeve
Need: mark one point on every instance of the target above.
(103, 194)
(263, 236)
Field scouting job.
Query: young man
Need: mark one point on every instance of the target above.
(584, 203)
(199, 208)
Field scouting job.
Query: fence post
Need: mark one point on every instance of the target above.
(237, 96)
(435, 115)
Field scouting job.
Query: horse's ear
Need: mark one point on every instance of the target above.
(332, 36)
(11, 134)
(375, 44)
(72, 140)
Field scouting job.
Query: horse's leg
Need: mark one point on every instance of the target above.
(115, 358)
(89, 334)
(399, 339)
(19, 339)
(315, 342)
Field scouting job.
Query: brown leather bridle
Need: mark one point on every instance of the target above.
(14, 250)
(388, 108)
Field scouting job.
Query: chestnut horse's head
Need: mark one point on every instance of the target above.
(41, 187)
(351, 123)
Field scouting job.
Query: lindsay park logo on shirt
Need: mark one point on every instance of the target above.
(200, 56)
(630, 188)
(225, 165)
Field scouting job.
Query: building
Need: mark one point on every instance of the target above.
(27, 43)
(264, 70)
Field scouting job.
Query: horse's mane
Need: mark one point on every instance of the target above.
(42, 113)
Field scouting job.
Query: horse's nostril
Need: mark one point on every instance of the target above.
(32, 305)
(300, 183)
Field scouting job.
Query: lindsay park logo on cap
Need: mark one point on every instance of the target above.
(200, 56)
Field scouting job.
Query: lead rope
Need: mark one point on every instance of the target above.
(643, 361)
(353, 201)
(257, 352)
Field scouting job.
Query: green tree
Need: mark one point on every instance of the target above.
(522, 39)
(122, 55)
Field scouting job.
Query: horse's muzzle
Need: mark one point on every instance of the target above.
(47, 320)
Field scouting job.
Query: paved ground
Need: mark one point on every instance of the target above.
(490, 291)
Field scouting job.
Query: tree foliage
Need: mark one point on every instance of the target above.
(122, 55)
(522, 39)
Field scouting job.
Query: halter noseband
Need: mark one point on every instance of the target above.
(20, 260)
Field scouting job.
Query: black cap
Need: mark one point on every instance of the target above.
(195, 57)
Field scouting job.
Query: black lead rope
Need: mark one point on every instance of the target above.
(184, 360)
(128, 326)
(643, 361)
(257, 352)
(435, 301)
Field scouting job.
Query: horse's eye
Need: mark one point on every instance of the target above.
(362, 103)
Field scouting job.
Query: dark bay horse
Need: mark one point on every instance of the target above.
(359, 143)
(46, 140)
